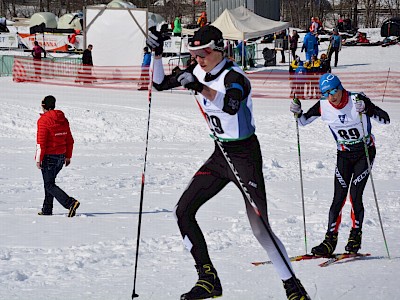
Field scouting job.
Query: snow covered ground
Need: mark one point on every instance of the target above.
(92, 255)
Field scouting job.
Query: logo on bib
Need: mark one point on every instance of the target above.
(342, 118)
(206, 102)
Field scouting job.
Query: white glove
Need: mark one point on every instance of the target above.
(295, 106)
(189, 81)
(360, 106)
(185, 77)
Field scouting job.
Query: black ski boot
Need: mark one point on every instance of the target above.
(208, 285)
(354, 242)
(295, 290)
(327, 247)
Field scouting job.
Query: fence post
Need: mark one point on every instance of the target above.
(387, 79)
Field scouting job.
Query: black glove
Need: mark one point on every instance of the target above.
(155, 41)
(189, 81)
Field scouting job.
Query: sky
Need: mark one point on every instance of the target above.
(92, 255)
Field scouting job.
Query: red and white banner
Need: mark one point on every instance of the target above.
(51, 42)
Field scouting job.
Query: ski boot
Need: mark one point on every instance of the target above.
(72, 209)
(208, 285)
(327, 247)
(45, 213)
(354, 241)
(295, 290)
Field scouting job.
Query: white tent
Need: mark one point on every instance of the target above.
(120, 4)
(242, 24)
(48, 18)
(118, 35)
(69, 21)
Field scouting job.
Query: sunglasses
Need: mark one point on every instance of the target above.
(330, 92)
(201, 52)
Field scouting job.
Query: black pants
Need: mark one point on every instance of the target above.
(293, 50)
(336, 50)
(51, 166)
(351, 173)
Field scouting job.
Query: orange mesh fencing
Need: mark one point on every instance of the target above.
(270, 84)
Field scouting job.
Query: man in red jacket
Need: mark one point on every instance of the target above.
(53, 150)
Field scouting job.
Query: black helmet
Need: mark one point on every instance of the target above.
(207, 37)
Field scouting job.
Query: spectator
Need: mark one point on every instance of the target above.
(325, 64)
(87, 63)
(202, 20)
(177, 31)
(242, 52)
(282, 36)
(36, 52)
(145, 76)
(314, 74)
(293, 40)
(53, 150)
(314, 26)
(335, 46)
(310, 45)
(340, 24)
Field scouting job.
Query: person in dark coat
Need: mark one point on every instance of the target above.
(87, 62)
(335, 46)
(293, 40)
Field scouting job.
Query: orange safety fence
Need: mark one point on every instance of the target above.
(269, 84)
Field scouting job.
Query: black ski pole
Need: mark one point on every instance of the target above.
(372, 182)
(301, 173)
(246, 192)
(134, 295)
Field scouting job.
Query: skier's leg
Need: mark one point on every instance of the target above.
(248, 164)
(343, 173)
(357, 187)
(204, 185)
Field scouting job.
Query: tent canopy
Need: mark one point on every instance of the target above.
(69, 21)
(242, 24)
(49, 19)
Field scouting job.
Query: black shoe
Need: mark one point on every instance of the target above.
(354, 242)
(295, 290)
(208, 285)
(45, 213)
(72, 209)
(327, 246)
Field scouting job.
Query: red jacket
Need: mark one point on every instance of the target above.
(53, 135)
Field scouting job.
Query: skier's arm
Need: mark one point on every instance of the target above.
(312, 114)
(373, 111)
(237, 89)
(161, 81)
